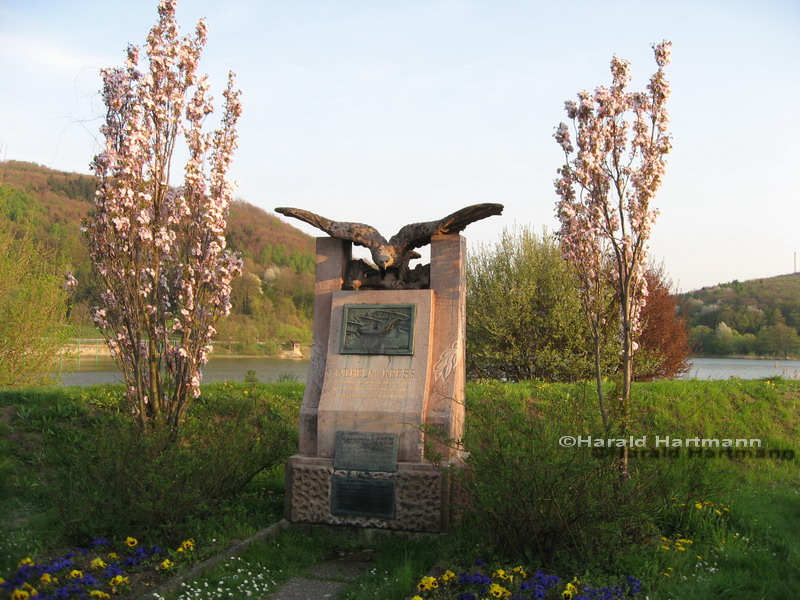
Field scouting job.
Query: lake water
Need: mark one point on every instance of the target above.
(744, 368)
(93, 371)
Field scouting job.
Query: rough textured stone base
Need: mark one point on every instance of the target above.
(421, 497)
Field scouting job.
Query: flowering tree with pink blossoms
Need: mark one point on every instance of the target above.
(159, 249)
(605, 188)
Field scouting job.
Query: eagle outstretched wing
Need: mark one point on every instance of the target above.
(417, 235)
(398, 250)
(358, 233)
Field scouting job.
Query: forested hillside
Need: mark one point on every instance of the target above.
(756, 317)
(272, 301)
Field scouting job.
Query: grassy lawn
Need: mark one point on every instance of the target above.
(703, 526)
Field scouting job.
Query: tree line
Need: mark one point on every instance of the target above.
(759, 317)
(271, 304)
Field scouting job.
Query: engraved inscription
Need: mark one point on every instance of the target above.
(355, 497)
(378, 329)
(365, 451)
(366, 384)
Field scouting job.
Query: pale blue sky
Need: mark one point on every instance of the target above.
(391, 112)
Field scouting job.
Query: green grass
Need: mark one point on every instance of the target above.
(43, 430)
(400, 560)
(45, 433)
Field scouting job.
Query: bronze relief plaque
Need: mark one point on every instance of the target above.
(378, 329)
(366, 451)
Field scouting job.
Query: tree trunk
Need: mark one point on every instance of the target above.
(598, 375)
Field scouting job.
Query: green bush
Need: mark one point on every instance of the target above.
(524, 318)
(526, 496)
(123, 480)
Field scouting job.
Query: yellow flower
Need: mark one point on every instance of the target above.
(417, 598)
(698, 505)
(571, 588)
(99, 594)
(665, 547)
(167, 564)
(25, 561)
(427, 583)
(75, 574)
(98, 563)
(521, 571)
(118, 580)
(20, 595)
(498, 591)
(567, 595)
(448, 575)
(500, 573)
(113, 555)
(46, 578)
(131, 541)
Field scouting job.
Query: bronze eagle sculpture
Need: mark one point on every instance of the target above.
(398, 251)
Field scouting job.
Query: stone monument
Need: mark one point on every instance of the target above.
(387, 369)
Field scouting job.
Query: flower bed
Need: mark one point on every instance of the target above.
(99, 571)
(517, 584)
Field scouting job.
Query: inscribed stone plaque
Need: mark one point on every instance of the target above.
(365, 451)
(378, 329)
(355, 497)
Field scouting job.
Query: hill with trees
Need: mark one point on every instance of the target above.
(760, 317)
(272, 301)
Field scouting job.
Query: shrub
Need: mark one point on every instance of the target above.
(33, 307)
(124, 479)
(523, 313)
(526, 496)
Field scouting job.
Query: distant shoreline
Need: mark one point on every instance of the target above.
(747, 357)
(96, 348)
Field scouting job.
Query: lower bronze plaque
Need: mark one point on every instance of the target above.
(355, 497)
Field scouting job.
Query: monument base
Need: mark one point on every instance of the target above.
(415, 497)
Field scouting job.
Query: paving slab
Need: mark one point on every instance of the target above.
(302, 588)
(347, 566)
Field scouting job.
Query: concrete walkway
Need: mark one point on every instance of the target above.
(328, 578)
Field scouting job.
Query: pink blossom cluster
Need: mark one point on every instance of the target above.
(160, 249)
(70, 283)
(607, 185)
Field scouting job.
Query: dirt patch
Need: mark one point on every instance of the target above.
(7, 415)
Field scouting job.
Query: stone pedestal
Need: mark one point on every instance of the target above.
(385, 386)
